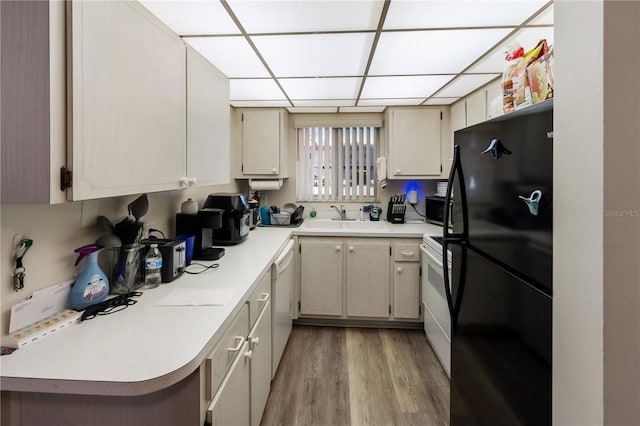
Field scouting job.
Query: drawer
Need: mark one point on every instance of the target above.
(221, 358)
(406, 252)
(259, 298)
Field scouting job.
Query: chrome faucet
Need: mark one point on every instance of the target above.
(341, 211)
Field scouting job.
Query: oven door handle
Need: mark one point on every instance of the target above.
(431, 257)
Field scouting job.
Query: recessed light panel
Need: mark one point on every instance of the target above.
(254, 89)
(193, 17)
(431, 52)
(316, 55)
(456, 13)
(310, 110)
(390, 102)
(260, 104)
(321, 88)
(322, 102)
(362, 109)
(231, 55)
(465, 84)
(403, 87)
(545, 18)
(266, 16)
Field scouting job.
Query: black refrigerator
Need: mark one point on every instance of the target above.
(500, 289)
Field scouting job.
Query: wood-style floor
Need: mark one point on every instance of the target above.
(358, 376)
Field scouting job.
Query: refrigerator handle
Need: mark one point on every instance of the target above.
(456, 170)
(454, 306)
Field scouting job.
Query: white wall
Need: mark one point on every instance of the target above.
(56, 231)
(596, 349)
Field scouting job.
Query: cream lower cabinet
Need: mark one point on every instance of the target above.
(367, 278)
(360, 278)
(321, 279)
(260, 347)
(406, 280)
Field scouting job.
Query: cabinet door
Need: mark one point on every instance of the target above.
(260, 346)
(261, 142)
(367, 278)
(458, 116)
(208, 122)
(477, 107)
(230, 406)
(321, 277)
(128, 102)
(414, 143)
(406, 290)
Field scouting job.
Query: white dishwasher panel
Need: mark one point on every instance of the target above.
(281, 291)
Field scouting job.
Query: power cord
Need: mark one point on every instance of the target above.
(419, 214)
(205, 268)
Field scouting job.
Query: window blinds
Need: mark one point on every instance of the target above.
(336, 164)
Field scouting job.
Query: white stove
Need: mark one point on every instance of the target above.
(437, 320)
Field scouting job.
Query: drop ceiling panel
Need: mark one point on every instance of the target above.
(308, 110)
(323, 102)
(403, 86)
(316, 55)
(526, 37)
(390, 102)
(362, 109)
(455, 13)
(465, 84)
(545, 18)
(432, 52)
(254, 89)
(193, 17)
(231, 55)
(308, 16)
(260, 104)
(321, 88)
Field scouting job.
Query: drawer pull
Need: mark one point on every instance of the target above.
(407, 253)
(399, 269)
(240, 341)
(248, 354)
(263, 297)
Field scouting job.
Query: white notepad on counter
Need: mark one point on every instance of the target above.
(198, 297)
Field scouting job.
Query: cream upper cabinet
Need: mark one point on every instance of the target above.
(458, 115)
(263, 144)
(414, 143)
(476, 107)
(127, 113)
(33, 101)
(367, 278)
(208, 123)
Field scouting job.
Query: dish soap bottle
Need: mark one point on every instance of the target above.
(91, 286)
(152, 266)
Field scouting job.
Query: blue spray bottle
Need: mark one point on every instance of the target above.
(91, 286)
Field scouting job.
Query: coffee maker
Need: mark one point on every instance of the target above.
(235, 223)
(202, 225)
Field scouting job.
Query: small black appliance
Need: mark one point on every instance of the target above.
(202, 225)
(235, 218)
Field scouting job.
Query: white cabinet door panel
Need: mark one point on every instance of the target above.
(321, 277)
(128, 81)
(406, 290)
(208, 122)
(414, 143)
(261, 142)
(260, 345)
(367, 278)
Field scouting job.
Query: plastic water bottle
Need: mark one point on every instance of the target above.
(152, 266)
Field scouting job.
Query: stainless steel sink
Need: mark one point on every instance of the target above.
(365, 225)
(323, 224)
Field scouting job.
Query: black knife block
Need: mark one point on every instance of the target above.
(395, 212)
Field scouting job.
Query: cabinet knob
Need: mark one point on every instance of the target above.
(248, 354)
(338, 247)
(184, 181)
(399, 269)
(255, 341)
(397, 171)
(351, 248)
(193, 181)
(274, 170)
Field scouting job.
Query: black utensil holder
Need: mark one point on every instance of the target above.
(395, 212)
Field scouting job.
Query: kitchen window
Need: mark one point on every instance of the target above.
(336, 164)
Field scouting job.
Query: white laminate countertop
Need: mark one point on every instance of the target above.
(147, 347)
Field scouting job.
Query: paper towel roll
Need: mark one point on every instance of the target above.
(265, 184)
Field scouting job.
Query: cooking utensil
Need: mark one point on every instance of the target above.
(139, 207)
